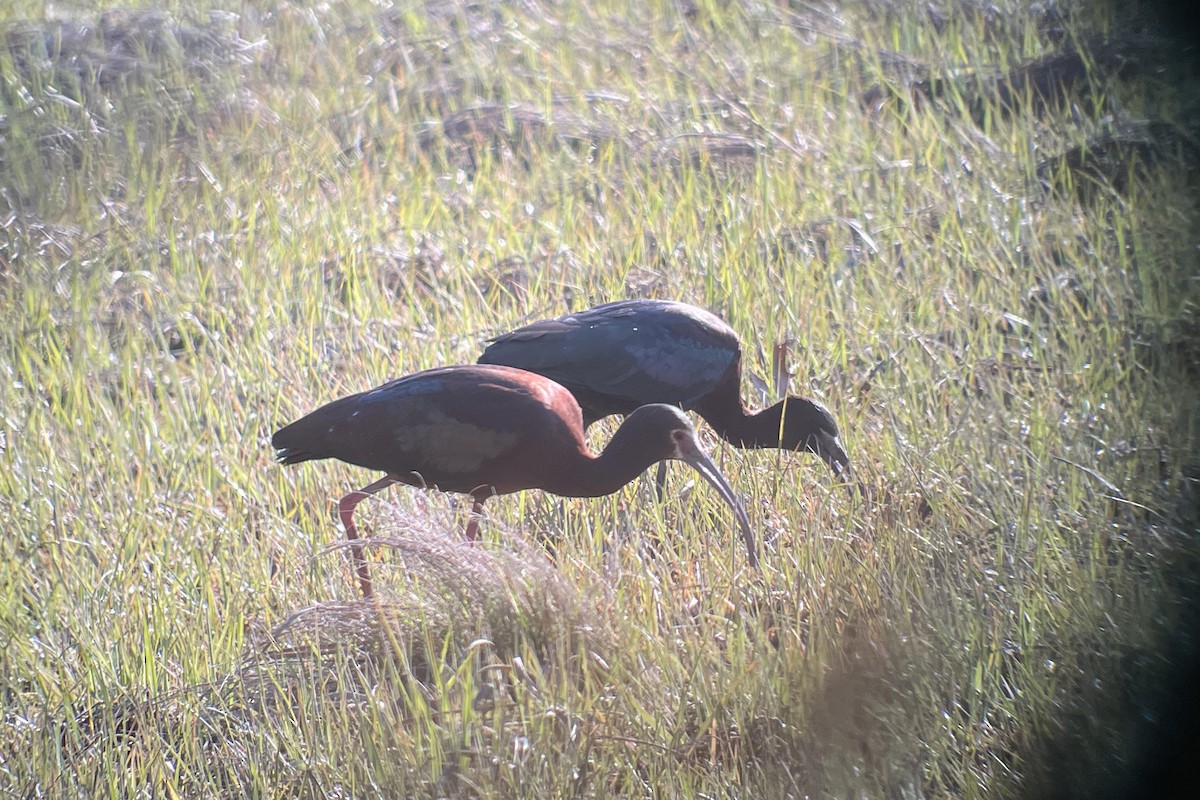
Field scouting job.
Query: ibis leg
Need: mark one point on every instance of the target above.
(472, 533)
(346, 514)
(660, 480)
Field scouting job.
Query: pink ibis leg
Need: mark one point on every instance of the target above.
(472, 533)
(346, 514)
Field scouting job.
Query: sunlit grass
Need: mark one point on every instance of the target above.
(254, 214)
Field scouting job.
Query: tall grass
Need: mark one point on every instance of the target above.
(214, 220)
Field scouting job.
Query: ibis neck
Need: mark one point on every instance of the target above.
(743, 428)
(621, 461)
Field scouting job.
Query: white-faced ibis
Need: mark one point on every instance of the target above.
(486, 430)
(618, 356)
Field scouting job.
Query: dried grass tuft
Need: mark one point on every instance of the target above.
(85, 60)
(507, 592)
(1108, 160)
(1046, 84)
(515, 130)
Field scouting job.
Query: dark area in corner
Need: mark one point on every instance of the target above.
(1163, 739)
(1158, 755)
(1165, 757)
(1174, 19)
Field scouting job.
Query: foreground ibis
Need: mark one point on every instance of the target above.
(618, 356)
(485, 430)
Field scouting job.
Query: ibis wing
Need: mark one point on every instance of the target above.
(618, 356)
(457, 428)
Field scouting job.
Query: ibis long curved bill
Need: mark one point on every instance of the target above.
(687, 449)
(829, 449)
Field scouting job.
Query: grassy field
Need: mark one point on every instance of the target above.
(973, 226)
